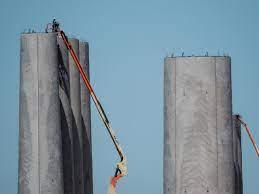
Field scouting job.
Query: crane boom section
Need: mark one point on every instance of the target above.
(249, 134)
(121, 167)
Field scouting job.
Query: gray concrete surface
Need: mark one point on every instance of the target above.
(67, 143)
(66, 119)
(237, 155)
(86, 121)
(40, 144)
(198, 152)
(75, 101)
(224, 126)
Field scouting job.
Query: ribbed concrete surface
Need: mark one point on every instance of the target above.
(66, 119)
(198, 153)
(237, 150)
(40, 151)
(224, 125)
(75, 101)
(86, 121)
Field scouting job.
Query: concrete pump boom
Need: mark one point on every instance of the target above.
(249, 133)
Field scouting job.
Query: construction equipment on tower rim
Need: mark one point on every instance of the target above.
(239, 118)
(121, 167)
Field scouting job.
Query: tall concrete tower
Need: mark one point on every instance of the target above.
(198, 132)
(55, 153)
(40, 142)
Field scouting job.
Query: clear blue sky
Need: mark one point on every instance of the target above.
(129, 40)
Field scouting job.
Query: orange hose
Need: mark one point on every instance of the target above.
(86, 81)
(252, 139)
(249, 134)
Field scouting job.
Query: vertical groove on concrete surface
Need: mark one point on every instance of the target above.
(86, 121)
(40, 154)
(196, 92)
(37, 66)
(66, 119)
(75, 102)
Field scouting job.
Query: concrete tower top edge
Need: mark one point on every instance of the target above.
(170, 60)
(34, 36)
(198, 56)
(37, 33)
(25, 34)
(85, 43)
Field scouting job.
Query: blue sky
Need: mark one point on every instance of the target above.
(128, 42)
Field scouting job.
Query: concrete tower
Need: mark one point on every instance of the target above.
(55, 153)
(198, 137)
(40, 144)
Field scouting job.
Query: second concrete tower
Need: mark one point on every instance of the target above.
(198, 139)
